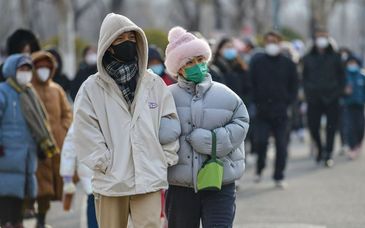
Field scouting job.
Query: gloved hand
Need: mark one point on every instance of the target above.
(2, 152)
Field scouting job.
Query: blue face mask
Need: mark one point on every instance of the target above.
(353, 68)
(229, 53)
(158, 69)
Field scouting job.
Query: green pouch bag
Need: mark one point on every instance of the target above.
(210, 175)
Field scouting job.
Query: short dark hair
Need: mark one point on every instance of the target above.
(19, 39)
(275, 34)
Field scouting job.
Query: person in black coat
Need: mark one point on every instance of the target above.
(87, 68)
(228, 68)
(232, 71)
(323, 81)
(274, 85)
(20, 41)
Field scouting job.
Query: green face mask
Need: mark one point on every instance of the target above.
(196, 73)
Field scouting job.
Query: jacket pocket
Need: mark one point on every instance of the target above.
(109, 162)
(163, 155)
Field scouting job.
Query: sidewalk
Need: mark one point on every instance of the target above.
(316, 197)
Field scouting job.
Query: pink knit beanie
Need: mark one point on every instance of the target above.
(183, 46)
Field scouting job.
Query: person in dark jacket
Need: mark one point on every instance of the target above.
(274, 85)
(323, 81)
(87, 68)
(156, 64)
(354, 100)
(232, 69)
(59, 77)
(345, 54)
(20, 41)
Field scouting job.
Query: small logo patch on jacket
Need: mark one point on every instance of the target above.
(152, 105)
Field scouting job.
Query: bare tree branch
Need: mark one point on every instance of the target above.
(79, 11)
(218, 14)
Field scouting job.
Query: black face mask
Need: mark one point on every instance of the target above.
(126, 51)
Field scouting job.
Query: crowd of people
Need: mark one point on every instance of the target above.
(143, 122)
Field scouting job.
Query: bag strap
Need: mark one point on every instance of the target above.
(214, 145)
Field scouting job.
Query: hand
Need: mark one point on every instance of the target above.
(69, 188)
(2, 152)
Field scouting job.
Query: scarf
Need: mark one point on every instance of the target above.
(187, 85)
(124, 74)
(36, 118)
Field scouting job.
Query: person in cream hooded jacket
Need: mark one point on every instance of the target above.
(128, 143)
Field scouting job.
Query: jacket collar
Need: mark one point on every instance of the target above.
(196, 89)
(140, 98)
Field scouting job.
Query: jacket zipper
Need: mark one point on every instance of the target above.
(14, 111)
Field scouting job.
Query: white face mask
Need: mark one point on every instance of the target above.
(43, 73)
(23, 77)
(322, 42)
(91, 59)
(272, 49)
(344, 56)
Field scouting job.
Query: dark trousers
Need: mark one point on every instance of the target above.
(11, 210)
(185, 208)
(278, 127)
(91, 214)
(315, 112)
(354, 128)
(342, 124)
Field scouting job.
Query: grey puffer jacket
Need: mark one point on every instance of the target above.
(201, 108)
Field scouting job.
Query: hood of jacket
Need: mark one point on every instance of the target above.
(12, 63)
(113, 26)
(40, 55)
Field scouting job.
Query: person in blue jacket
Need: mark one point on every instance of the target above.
(354, 106)
(18, 155)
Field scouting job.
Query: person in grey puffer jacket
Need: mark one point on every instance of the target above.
(202, 106)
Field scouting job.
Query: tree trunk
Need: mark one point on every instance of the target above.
(67, 36)
(261, 17)
(191, 15)
(24, 14)
(276, 12)
(240, 14)
(362, 29)
(116, 5)
(79, 11)
(320, 11)
(218, 14)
